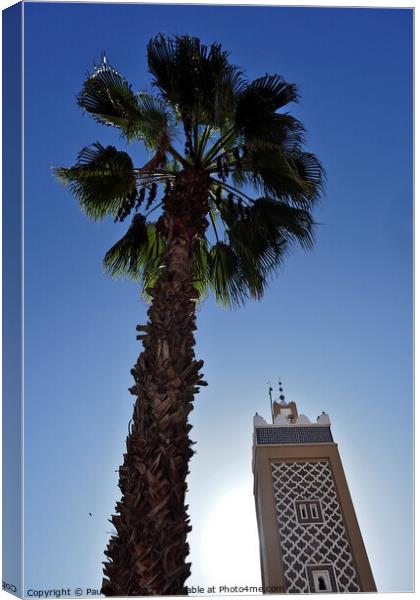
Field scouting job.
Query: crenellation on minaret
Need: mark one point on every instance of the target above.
(299, 419)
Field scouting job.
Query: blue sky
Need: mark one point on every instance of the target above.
(336, 324)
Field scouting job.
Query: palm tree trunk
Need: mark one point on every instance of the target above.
(147, 555)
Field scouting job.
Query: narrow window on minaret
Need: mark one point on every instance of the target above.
(308, 511)
(321, 584)
(322, 581)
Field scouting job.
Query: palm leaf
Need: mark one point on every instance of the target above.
(137, 254)
(224, 275)
(259, 101)
(295, 178)
(235, 274)
(201, 267)
(197, 79)
(274, 89)
(102, 180)
(259, 249)
(155, 125)
(127, 256)
(109, 98)
(154, 256)
(277, 221)
(260, 237)
(278, 132)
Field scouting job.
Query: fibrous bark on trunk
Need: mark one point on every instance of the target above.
(147, 555)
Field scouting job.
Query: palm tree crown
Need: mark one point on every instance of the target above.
(203, 117)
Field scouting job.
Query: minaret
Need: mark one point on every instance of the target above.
(310, 540)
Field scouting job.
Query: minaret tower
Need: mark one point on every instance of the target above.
(310, 540)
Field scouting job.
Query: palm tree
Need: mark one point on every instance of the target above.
(232, 189)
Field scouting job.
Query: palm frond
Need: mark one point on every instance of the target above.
(109, 98)
(201, 268)
(127, 256)
(103, 179)
(153, 260)
(309, 169)
(197, 79)
(259, 237)
(256, 117)
(280, 132)
(276, 221)
(155, 126)
(224, 275)
(234, 273)
(274, 89)
(259, 245)
(137, 254)
(296, 178)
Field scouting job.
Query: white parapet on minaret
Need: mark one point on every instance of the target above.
(302, 419)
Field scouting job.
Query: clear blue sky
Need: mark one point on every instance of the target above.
(336, 324)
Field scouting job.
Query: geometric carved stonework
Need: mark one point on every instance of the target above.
(311, 548)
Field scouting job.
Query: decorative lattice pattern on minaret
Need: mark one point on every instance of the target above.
(305, 545)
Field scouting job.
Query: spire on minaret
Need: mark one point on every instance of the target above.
(282, 397)
(287, 410)
(270, 393)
